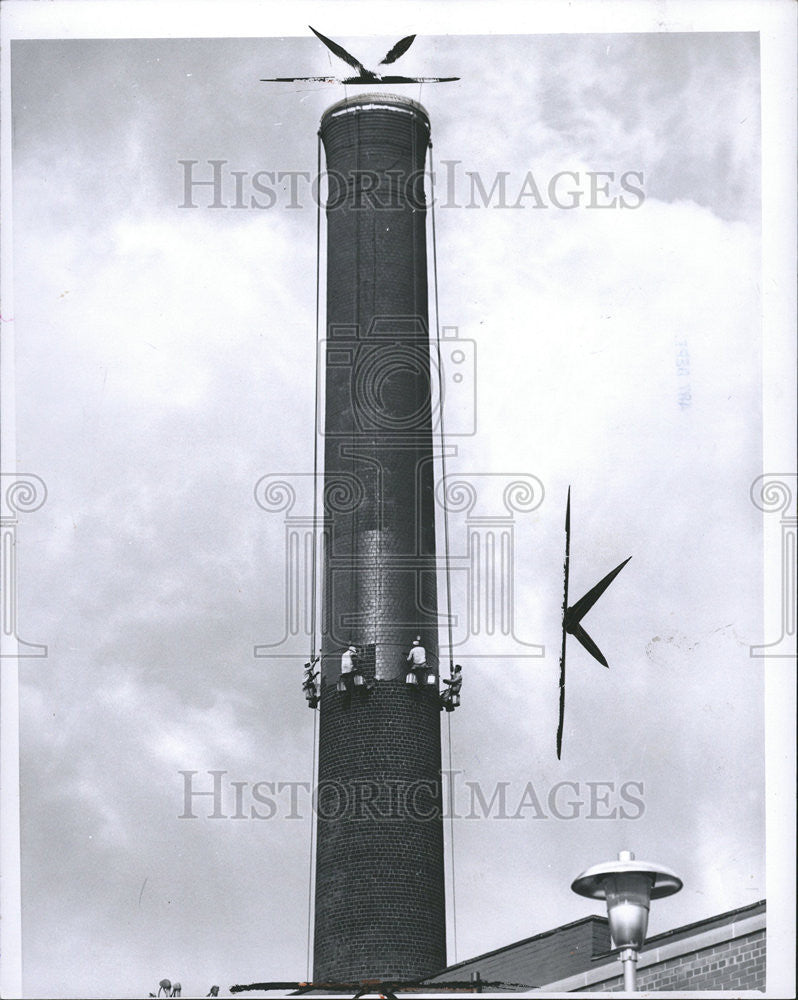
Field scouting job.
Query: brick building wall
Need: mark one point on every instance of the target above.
(732, 965)
(380, 909)
(725, 952)
(562, 951)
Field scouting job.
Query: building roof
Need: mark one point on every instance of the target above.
(580, 950)
(536, 959)
(695, 956)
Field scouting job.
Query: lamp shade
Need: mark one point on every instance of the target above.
(628, 886)
(628, 899)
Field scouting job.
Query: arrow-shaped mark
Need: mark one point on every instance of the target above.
(572, 617)
(575, 614)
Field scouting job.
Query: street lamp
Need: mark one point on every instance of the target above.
(628, 886)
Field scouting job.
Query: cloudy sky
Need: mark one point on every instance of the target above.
(165, 363)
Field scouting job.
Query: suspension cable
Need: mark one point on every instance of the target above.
(314, 547)
(440, 420)
(312, 844)
(451, 836)
(447, 561)
(354, 577)
(314, 543)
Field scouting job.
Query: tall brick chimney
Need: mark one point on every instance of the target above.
(380, 908)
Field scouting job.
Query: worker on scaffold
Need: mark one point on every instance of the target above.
(417, 658)
(450, 696)
(348, 668)
(351, 673)
(309, 685)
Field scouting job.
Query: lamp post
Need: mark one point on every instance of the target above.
(628, 887)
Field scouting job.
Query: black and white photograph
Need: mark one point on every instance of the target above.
(398, 498)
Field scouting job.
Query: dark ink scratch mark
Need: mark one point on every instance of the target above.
(363, 75)
(571, 618)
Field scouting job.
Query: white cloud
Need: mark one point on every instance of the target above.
(165, 362)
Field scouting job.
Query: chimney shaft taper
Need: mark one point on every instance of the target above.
(380, 908)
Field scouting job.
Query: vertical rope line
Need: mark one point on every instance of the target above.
(446, 543)
(314, 583)
(376, 472)
(451, 836)
(440, 418)
(312, 831)
(415, 221)
(314, 544)
(354, 582)
(413, 237)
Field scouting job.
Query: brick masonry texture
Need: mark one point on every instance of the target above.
(380, 908)
(734, 962)
(540, 959)
(732, 965)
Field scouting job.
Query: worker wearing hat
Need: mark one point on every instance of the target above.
(417, 656)
(348, 669)
(450, 696)
(309, 685)
(349, 659)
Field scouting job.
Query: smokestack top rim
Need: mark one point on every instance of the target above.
(383, 102)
